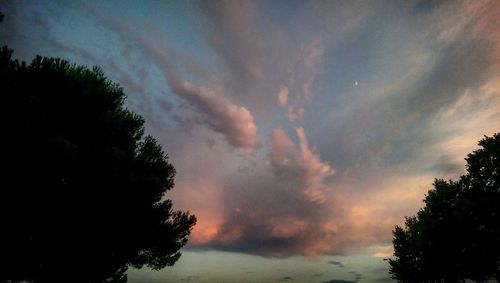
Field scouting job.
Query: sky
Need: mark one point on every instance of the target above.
(302, 132)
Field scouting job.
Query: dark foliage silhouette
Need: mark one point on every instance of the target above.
(82, 191)
(456, 236)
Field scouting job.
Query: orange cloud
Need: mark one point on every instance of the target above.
(206, 229)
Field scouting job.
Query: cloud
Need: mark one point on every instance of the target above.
(234, 37)
(301, 167)
(392, 121)
(357, 275)
(269, 220)
(283, 96)
(294, 115)
(278, 209)
(312, 61)
(337, 263)
(166, 105)
(429, 89)
(425, 6)
(269, 210)
(252, 59)
(306, 68)
(244, 53)
(427, 92)
(236, 123)
(191, 278)
(291, 113)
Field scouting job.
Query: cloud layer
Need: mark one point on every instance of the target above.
(345, 111)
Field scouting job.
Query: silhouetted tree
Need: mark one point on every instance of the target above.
(82, 191)
(457, 233)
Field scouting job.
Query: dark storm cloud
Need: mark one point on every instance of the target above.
(268, 218)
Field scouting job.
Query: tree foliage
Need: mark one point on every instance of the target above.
(456, 235)
(82, 190)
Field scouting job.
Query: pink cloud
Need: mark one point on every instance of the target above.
(235, 122)
(283, 96)
(312, 62)
(301, 166)
(309, 65)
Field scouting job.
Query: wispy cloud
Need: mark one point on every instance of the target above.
(232, 34)
(382, 128)
(312, 61)
(337, 163)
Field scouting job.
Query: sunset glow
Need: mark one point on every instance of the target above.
(301, 132)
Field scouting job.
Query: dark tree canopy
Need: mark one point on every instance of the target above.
(82, 191)
(456, 235)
